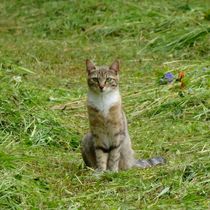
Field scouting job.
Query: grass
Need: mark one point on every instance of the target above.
(43, 45)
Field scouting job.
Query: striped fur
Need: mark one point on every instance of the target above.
(108, 145)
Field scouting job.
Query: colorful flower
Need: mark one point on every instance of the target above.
(169, 77)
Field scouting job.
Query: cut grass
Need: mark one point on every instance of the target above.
(42, 102)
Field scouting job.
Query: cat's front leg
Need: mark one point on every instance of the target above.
(114, 158)
(101, 159)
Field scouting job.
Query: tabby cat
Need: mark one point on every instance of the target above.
(108, 145)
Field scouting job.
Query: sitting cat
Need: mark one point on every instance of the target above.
(108, 145)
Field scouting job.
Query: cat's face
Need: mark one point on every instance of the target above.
(102, 79)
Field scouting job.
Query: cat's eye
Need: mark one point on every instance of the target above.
(95, 79)
(109, 79)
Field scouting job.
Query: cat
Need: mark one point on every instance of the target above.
(108, 145)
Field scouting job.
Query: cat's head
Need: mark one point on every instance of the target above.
(102, 79)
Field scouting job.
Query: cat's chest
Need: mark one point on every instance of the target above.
(103, 102)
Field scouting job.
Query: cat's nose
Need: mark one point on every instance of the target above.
(101, 87)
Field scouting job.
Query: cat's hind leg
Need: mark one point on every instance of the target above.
(88, 151)
(127, 159)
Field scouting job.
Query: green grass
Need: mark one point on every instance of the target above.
(43, 46)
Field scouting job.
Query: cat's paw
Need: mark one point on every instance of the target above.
(98, 173)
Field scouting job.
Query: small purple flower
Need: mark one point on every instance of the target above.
(190, 90)
(169, 77)
(204, 69)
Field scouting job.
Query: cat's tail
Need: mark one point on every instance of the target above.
(149, 162)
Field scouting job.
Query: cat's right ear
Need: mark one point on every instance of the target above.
(115, 66)
(89, 66)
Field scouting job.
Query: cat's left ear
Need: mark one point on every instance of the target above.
(89, 66)
(115, 66)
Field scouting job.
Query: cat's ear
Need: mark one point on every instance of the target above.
(115, 66)
(89, 66)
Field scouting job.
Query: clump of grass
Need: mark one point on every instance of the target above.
(42, 102)
(25, 114)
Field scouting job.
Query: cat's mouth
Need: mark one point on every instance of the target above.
(102, 88)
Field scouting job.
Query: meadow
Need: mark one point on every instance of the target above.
(43, 47)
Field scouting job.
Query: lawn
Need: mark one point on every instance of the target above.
(43, 47)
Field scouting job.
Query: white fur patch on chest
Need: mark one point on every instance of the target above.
(103, 101)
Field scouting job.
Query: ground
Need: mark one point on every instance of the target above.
(43, 47)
